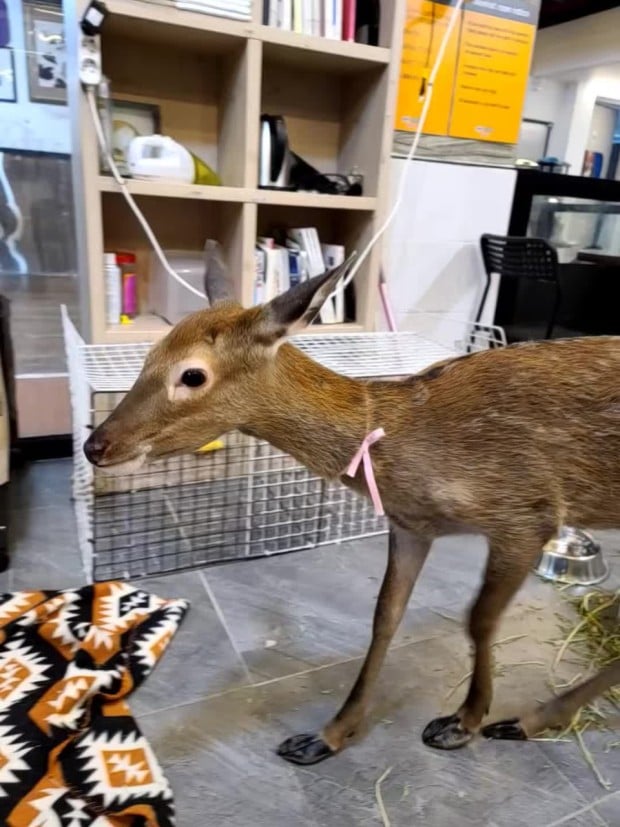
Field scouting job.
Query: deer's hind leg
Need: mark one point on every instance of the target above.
(508, 564)
(558, 712)
(406, 557)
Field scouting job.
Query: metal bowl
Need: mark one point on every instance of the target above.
(573, 557)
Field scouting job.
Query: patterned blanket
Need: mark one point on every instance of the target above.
(71, 755)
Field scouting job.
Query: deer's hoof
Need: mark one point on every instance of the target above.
(446, 733)
(305, 749)
(510, 730)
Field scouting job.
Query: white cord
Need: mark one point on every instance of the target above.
(92, 101)
(90, 93)
(412, 149)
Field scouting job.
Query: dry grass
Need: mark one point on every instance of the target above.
(592, 643)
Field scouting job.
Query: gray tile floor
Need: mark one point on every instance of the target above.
(214, 712)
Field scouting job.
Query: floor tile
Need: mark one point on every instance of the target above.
(315, 606)
(609, 809)
(42, 484)
(587, 819)
(200, 660)
(43, 549)
(223, 747)
(569, 759)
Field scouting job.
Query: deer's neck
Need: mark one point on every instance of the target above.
(310, 412)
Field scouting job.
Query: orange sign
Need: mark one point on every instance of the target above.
(481, 85)
(491, 78)
(425, 27)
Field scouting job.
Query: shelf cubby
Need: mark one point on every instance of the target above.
(351, 228)
(205, 113)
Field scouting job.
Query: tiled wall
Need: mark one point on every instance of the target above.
(432, 257)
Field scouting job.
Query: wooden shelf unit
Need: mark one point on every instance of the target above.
(212, 78)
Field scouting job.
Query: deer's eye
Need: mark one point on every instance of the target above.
(193, 378)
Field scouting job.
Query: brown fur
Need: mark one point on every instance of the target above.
(509, 443)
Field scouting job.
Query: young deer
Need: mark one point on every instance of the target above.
(510, 443)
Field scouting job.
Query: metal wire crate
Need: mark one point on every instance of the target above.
(247, 499)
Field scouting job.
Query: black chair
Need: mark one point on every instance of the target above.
(530, 263)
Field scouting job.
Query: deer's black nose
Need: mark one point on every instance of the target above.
(95, 447)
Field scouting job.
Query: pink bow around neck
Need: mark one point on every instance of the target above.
(363, 455)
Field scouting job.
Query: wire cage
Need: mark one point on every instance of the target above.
(246, 499)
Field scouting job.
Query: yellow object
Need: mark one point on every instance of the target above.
(125, 319)
(203, 174)
(216, 445)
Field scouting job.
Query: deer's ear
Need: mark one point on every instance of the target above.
(294, 310)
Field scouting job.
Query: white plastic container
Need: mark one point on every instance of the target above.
(113, 289)
(169, 299)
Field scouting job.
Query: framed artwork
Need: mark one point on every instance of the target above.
(130, 120)
(8, 89)
(47, 55)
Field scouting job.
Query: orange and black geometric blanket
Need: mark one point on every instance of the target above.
(71, 754)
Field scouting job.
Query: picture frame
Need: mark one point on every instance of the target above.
(46, 52)
(130, 120)
(8, 86)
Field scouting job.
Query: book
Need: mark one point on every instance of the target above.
(308, 240)
(306, 16)
(208, 8)
(332, 19)
(285, 15)
(298, 19)
(316, 18)
(348, 19)
(259, 279)
(235, 10)
(333, 255)
(298, 262)
(276, 270)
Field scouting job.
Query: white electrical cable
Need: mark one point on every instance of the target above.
(92, 102)
(90, 94)
(412, 149)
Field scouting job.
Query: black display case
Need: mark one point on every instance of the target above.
(580, 218)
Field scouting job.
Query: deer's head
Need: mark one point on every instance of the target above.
(204, 378)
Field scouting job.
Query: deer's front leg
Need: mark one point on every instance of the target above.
(406, 557)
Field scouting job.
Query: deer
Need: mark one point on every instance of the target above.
(511, 443)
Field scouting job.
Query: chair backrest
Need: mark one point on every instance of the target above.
(518, 257)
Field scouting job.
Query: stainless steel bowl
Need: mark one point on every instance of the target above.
(573, 557)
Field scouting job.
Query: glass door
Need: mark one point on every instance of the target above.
(37, 228)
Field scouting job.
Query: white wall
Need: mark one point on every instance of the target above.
(432, 258)
(598, 83)
(27, 125)
(602, 130)
(547, 99)
(543, 101)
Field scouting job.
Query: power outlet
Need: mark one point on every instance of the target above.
(90, 59)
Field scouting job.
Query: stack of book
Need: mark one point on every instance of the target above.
(302, 256)
(334, 19)
(234, 9)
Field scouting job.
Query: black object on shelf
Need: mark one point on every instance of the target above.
(303, 176)
(367, 20)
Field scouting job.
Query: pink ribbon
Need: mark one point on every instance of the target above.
(363, 455)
